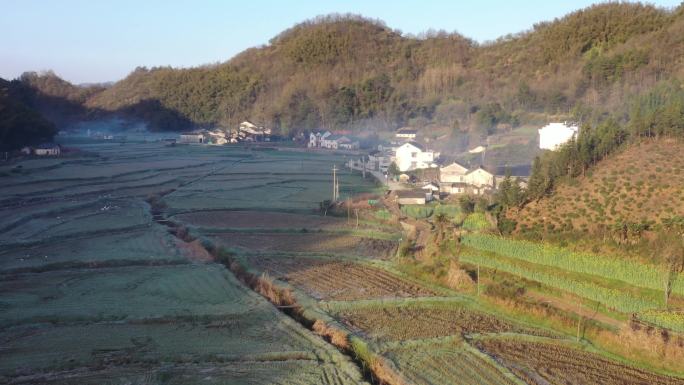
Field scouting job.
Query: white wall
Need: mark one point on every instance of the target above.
(409, 157)
(479, 178)
(553, 135)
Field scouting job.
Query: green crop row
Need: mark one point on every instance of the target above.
(637, 274)
(609, 297)
(670, 320)
(476, 222)
(417, 211)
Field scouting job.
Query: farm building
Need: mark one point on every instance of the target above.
(192, 137)
(413, 197)
(432, 186)
(412, 156)
(335, 142)
(452, 173)
(480, 178)
(47, 149)
(348, 144)
(406, 134)
(455, 188)
(316, 139)
(553, 135)
(250, 132)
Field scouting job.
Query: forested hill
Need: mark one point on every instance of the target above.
(20, 125)
(351, 72)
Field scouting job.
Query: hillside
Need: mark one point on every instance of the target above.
(351, 72)
(20, 125)
(632, 191)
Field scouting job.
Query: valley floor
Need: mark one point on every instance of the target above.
(189, 264)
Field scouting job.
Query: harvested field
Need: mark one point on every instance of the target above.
(425, 321)
(262, 333)
(152, 245)
(100, 216)
(555, 364)
(123, 293)
(446, 363)
(319, 243)
(341, 281)
(258, 219)
(251, 372)
(93, 291)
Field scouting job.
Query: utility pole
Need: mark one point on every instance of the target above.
(579, 320)
(363, 163)
(334, 170)
(337, 188)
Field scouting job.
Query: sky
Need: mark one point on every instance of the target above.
(89, 41)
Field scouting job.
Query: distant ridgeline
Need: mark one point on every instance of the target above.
(349, 72)
(20, 125)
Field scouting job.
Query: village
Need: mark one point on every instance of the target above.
(408, 167)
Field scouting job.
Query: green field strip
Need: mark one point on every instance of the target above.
(628, 271)
(611, 294)
(673, 320)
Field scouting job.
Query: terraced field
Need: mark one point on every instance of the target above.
(93, 289)
(439, 363)
(335, 280)
(311, 243)
(258, 219)
(557, 364)
(410, 321)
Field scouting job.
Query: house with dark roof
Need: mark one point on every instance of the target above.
(412, 197)
(406, 133)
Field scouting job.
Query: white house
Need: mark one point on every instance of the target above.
(316, 139)
(480, 178)
(453, 173)
(192, 137)
(347, 143)
(332, 141)
(454, 188)
(47, 149)
(406, 133)
(553, 135)
(411, 156)
(339, 141)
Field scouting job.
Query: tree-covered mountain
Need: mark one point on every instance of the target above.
(20, 125)
(351, 72)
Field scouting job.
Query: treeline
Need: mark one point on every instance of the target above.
(658, 113)
(345, 71)
(20, 125)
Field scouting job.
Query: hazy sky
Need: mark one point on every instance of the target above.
(97, 40)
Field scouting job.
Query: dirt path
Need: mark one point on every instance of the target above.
(417, 229)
